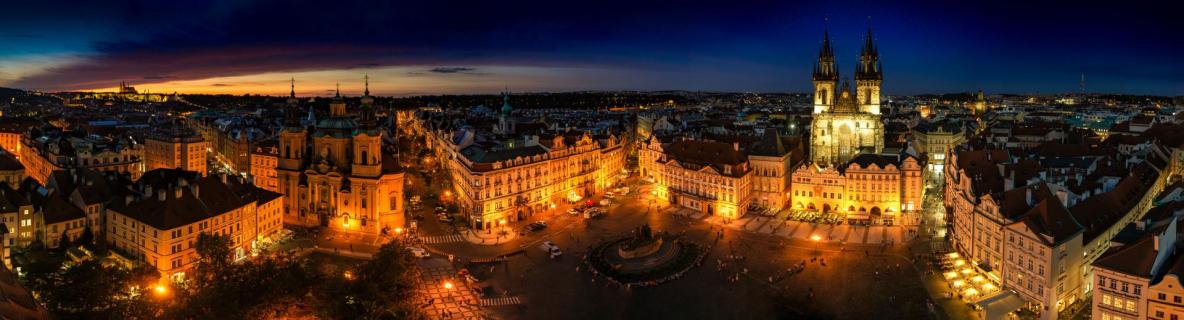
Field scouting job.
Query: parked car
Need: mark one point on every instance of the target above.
(419, 252)
(551, 249)
(536, 226)
(593, 212)
(573, 212)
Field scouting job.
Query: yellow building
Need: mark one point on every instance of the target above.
(845, 124)
(42, 155)
(705, 176)
(16, 213)
(160, 225)
(882, 189)
(526, 177)
(176, 149)
(771, 160)
(935, 139)
(338, 175)
(263, 163)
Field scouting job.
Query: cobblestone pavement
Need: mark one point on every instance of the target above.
(456, 300)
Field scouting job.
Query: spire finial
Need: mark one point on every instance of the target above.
(339, 89)
(367, 85)
(293, 83)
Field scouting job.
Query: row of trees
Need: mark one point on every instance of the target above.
(267, 287)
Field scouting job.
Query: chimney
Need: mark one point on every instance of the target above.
(177, 191)
(223, 178)
(736, 146)
(1028, 196)
(162, 195)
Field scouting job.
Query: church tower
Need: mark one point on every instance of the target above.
(293, 135)
(337, 107)
(826, 76)
(367, 139)
(868, 77)
(505, 124)
(980, 104)
(293, 145)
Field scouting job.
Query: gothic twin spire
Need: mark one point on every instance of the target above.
(867, 68)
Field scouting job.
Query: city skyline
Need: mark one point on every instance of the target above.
(450, 48)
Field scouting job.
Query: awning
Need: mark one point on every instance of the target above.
(999, 304)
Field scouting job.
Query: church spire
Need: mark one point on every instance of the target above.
(869, 58)
(292, 94)
(338, 95)
(367, 100)
(825, 68)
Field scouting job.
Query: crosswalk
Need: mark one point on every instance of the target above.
(500, 301)
(449, 238)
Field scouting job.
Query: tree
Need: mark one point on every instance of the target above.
(87, 239)
(382, 288)
(214, 251)
(90, 290)
(260, 288)
(63, 242)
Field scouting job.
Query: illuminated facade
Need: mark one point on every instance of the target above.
(877, 188)
(844, 123)
(42, 155)
(529, 176)
(770, 162)
(336, 173)
(160, 224)
(263, 163)
(176, 149)
(935, 139)
(705, 176)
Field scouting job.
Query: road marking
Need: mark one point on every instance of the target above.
(501, 301)
(450, 238)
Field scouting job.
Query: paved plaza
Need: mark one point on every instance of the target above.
(875, 271)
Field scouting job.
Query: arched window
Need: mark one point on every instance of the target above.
(365, 157)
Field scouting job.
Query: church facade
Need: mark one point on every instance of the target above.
(336, 173)
(846, 123)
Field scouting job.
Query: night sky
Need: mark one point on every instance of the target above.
(431, 46)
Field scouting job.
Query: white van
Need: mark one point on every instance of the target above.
(550, 248)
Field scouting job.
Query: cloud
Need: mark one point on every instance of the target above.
(221, 85)
(452, 70)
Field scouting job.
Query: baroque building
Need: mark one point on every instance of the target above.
(846, 123)
(881, 189)
(336, 173)
(508, 166)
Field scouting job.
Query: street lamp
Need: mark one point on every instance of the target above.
(816, 240)
(448, 285)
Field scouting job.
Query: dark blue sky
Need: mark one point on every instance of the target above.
(479, 46)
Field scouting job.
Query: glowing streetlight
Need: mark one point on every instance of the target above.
(398, 230)
(448, 285)
(160, 290)
(816, 240)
